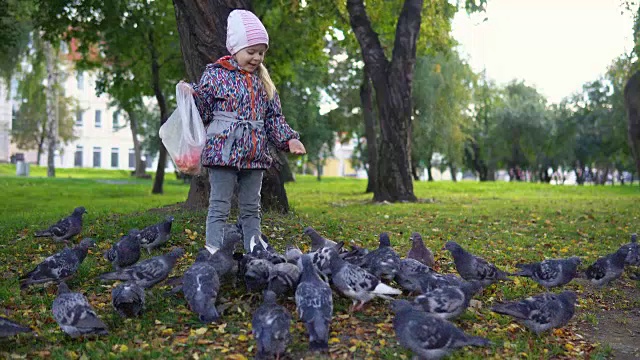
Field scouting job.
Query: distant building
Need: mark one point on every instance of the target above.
(5, 123)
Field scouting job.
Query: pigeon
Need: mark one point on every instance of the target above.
(270, 326)
(448, 302)
(292, 254)
(472, 267)
(125, 252)
(74, 314)
(127, 299)
(256, 274)
(283, 277)
(382, 262)
(223, 260)
(542, 312)
(420, 252)
(408, 273)
(607, 268)
(433, 280)
(200, 286)
(551, 273)
(155, 235)
(357, 283)
(59, 266)
(355, 256)
(317, 241)
(66, 228)
(633, 248)
(148, 272)
(314, 303)
(9, 328)
(427, 336)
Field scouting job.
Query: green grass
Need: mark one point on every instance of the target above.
(503, 222)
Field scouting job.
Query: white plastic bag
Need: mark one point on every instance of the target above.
(183, 134)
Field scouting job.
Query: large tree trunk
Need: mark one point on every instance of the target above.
(632, 103)
(52, 120)
(392, 83)
(140, 170)
(202, 26)
(366, 99)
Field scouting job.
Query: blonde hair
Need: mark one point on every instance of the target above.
(269, 87)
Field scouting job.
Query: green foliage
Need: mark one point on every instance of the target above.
(15, 27)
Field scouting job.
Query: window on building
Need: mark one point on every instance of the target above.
(114, 157)
(80, 80)
(96, 156)
(149, 161)
(98, 118)
(79, 116)
(77, 157)
(116, 120)
(132, 158)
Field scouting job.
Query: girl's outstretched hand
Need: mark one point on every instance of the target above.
(296, 147)
(187, 86)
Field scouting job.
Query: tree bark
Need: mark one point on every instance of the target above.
(140, 170)
(632, 104)
(454, 173)
(366, 101)
(52, 120)
(41, 139)
(392, 83)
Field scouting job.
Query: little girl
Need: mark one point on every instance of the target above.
(241, 111)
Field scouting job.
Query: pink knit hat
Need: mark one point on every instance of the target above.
(244, 29)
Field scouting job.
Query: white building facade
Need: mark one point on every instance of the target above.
(6, 106)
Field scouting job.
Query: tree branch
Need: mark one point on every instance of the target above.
(407, 31)
(372, 52)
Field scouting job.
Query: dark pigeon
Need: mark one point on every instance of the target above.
(314, 303)
(200, 286)
(420, 252)
(607, 268)
(222, 260)
(408, 273)
(75, 315)
(270, 326)
(472, 267)
(148, 272)
(357, 283)
(59, 266)
(321, 259)
(633, 248)
(355, 256)
(66, 228)
(9, 328)
(125, 252)
(155, 235)
(433, 280)
(448, 302)
(382, 262)
(292, 253)
(284, 277)
(317, 241)
(551, 273)
(127, 300)
(542, 312)
(429, 337)
(256, 275)
(262, 250)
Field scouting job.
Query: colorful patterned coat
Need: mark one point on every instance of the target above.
(239, 117)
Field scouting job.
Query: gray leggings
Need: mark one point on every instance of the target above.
(223, 181)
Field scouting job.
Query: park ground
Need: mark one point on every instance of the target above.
(506, 223)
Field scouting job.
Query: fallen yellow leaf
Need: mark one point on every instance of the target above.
(201, 331)
(124, 348)
(334, 340)
(242, 337)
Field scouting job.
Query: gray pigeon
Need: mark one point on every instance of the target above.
(448, 302)
(127, 299)
(382, 262)
(155, 235)
(428, 337)
(420, 252)
(270, 325)
(552, 272)
(256, 275)
(542, 312)
(148, 272)
(355, 255)
(9, 328)
(59, 266)
(409, 271)
(433, 280)
(633, 248)
(200, 286)
(75, 315)
(607, 268)
(357, 283)
(66, 228)
(222, 260)
(472, 267)
(314, 303)
(125, 252)
(284, 277)
(292, 253)
(317, 241)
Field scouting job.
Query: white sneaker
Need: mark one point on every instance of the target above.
(211, 249)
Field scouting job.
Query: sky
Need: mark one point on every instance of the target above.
(554, 45)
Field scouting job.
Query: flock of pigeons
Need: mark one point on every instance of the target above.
(421, 325)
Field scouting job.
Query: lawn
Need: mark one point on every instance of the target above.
(505, 223)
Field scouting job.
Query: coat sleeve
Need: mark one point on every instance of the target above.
(204, 94)
(278, 131)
